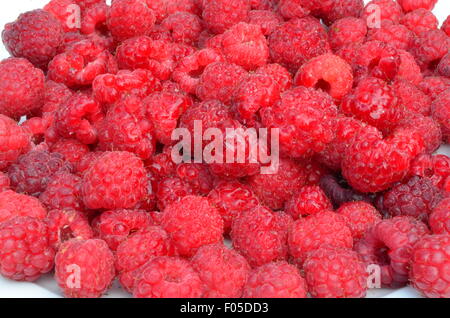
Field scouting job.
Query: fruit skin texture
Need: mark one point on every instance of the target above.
(63, 192)
(14, 141)
(410, 5)
(168, 277)
(25, 251)
(440, 218)
(307, 201)
(35, 35)
(360, 217)
(335, 273)
(191, 223)
(430, 46)
(13, 204)
(84, 268)
(420, 20)
(275, 280)
(347, 30)
(223, 271)
(429, 263)
(116, 180)
(440, 110)
(220, 15)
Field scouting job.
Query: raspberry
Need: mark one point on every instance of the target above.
(14, 204)
(279, 73)
(64, 225)
(275, 280)
(436, 168)
(117, 179)
(327, 72)
(86, 4)
(347, 30)
(94, 18)
(64, 11)
(292, 9)
(219, 80)
(314, 172)
(84, 268)
(192, 222)
(267, 20)
(14, 141)
(164, 8)
(232, 198)
(408, 68)
(72, 150)
(87, 161)
(420, 20)
(54, 96)
(164, 109)
(170, 190)
(426, 127)
(25, 251)
(389, 244)
(333, 10)
(34, 170)
(411, 97)
(126, 128)
(63, 192)
(429, 263)
(410, 5)
(396, 35)
(440, 218)
(360, 217)
(295, 42)
(268, 231)
(440, 110)
(197, 175)
(220, 15)
(168, 277)
(110, 88)
(184, 27)
(35, 35)
(388, 9)
(304, 117)
(76, 118)
(429, 47)
(433, 86)
(129, 18)
(21, 88)
(443, 67)
(223, 271)
(307, 201)
(446, 26)
(4, 182)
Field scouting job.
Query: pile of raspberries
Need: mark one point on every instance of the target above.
(360, 94)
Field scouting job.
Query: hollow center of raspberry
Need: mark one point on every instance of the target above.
(382, 255)
(65, 234)
(323, 85)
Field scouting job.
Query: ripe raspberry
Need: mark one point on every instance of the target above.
(86, 4)
(304, 117)
(436, 168)
(267, 20)
(279, 73)
(440, 110)
(307, 201)
(446, 26)
(314, 172)
(87, 161)
(55, 94)
(295, 42)
(327, 72)
(84, 268)
(168, 277)
(72, 150)
(127, 128)
(443, 67)
(14, 204)
(184, 27)
(347, 30)
(4, 182)
(170, 190)
(136, 250)
(35, 35)
(360, 217)
(220, 15)
(408, 68)
(411, 97)
(429, 47)
(94, 18)
(197, 175)
(292, 9)
(192, 222)
(219, 80)
(164, 8)
(63, 192)
(331, 11)
(440, 218)
(389, 244)
(64, 225)
(396, 35)
(25, 251)
(64, 11)
(429, 262)
(433, 86)
(223, 271)
(275, 280)
(426, 127)
(419, 21)
(116, 180)
(388, 9)
(268, 233)
(410, 5)
(14, 141)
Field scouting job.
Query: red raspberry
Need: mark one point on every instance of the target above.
(440, 218)
(292, 9)
(87, 161)
(360, 217)
(411, 97)
(426, 127)
(4, 182)
(84, 268)
(161, 165)
(197, 175)
(307, 201)
(223, 271)
(94, 18)
(333, 10)
(14, 204)
(64, 225)
(433, 86)
(443, 67)
(129, 18)
(34, 170)
(25, 251)
(192, 222)
(127, 128)
(314, 172)
(184, 27)
(86, 4)
(21, 87)
(410, 5)
(429, 47)
(219, 80)
(170, 190)
(440, 110)
(327, 72)
(220, 15)
(388, 10)
(420, 20)
(279, 73)
(267, 20)
(168, 277)
(389, 244)
(110, 88)
(164, 8)
(429, 262)
(436, 168)
(304, 117)
(347, 30)
(66, 12)
(396, 35)
(295, 42)
(63, 192)
(275, 280)
(14, 141)
(408, 68)
(117, 179)
(35, 35)
(55, 94)
(446, 26)
(72, 150)
(268, 233)
(143, 52)
(232, 198)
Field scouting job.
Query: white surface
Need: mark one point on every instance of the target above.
(46, 286)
